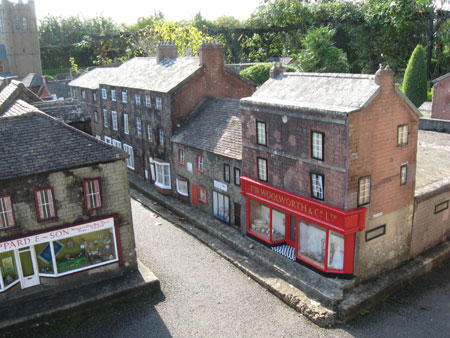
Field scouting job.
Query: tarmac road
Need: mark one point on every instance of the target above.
(205, 296)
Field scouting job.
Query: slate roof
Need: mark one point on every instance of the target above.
(321, 92)
(59, 88)
(433, 163)
(439, 79)
(425, 109)
(215, 126)
(67, 111)
(93, 78)
(32, 80)
(14, 90)
(32, 142)
(144, 73)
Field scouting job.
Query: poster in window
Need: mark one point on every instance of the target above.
(8, 265)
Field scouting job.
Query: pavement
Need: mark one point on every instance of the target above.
(57, 302)
(327, 301)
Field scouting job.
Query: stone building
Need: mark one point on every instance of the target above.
(65, 215)
(207, 159)
(140, 104)
(440, 107)
(19, 43)
(329, 165)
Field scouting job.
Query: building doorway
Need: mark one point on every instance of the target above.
(28, 269)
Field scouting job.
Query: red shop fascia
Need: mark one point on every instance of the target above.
(322, 236)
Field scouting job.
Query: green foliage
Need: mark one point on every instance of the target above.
(319, 53)
(364, 312)
(73, 65)
(430, 94)
(260, 73)
(415, 81)
(55, 71)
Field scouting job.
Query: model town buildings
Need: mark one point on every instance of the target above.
(326, 163)
(65, 215)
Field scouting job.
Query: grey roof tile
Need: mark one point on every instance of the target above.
(324, 92)
(67, 111)
(215, 126)
(144, 73)
(93, 78)
(32, 142)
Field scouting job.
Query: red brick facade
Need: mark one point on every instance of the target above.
(440, 108)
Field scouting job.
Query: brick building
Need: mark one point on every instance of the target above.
(329, 164)
(207, 157)
(139, 105)
(440, 107)
(65, 215)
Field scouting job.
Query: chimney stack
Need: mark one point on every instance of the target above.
(276, 70)
(384, 77)
(211, 55)
(168, 50)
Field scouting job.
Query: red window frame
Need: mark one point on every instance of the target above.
(52, 207)
(87, 202)
(202, 169)
(181, 156)
(13, 213)
(200, 190)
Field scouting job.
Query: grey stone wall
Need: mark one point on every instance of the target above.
(442, 126)
(213, 171)
(70, 206)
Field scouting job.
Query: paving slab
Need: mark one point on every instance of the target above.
(326, 301)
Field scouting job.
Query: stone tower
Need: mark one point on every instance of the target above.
(19, 42)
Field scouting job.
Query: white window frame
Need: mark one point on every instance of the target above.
(181, 184)
(149, 133)
(137, 99)
(200, 164)
(158, 103)
(130, 160)
(83, 94)
(317, 139)
(262, 169)
(161, 137)
(96, 116)
(92, 193)
(105, 118)
(113, 95)
(181, 156)
(94, 96)
(261, 133)
(104, 94)
(126, 130)
(114, 119)
(124, 96)
(45, 204)
(162, 174)
(116, 143)
(317, 186)
(148, 101)
(138, 126)
(108, 139)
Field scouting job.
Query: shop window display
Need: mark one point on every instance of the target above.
(336, 251)
(86, 250)
(312, 243)
(8, 268)
(260, 219)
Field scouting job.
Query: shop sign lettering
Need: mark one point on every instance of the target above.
(56, 234)
(297, 205)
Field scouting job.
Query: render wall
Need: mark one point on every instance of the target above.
(440, 107)
(374, 152)
(429, 228)
(70, 205)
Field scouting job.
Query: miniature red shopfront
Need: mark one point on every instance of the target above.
(323, 236)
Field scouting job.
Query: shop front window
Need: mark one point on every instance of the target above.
(336, 251)
(312, 241)
(278, 225)
(260, 219)
(221, 206)
(85, 250)
(8, 268)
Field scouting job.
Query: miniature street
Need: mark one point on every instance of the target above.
(203, 295)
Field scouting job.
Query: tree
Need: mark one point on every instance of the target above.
(320, 54)
(260, 73)
(415, 81)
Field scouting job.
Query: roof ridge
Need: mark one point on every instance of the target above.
(330, 75)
